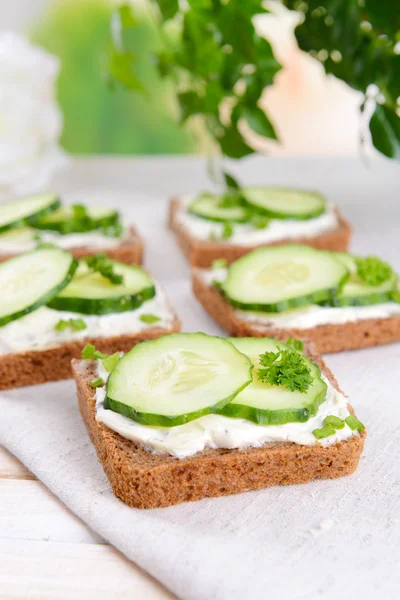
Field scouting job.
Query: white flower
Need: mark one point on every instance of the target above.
(30, 120)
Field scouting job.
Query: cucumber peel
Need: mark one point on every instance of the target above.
(26, 211)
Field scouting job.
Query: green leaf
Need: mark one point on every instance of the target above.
(372, 270)
(259, 122)
(120, 69)
(100, 263)
(233, 145)
(385, 131)
(168, 8)
(230, 181)
(285, 367)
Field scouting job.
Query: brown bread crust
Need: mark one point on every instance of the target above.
(327, 338)
(144, 479)
(202, 253)
(52, 364)
(130, 251)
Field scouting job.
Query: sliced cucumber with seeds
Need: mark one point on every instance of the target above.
(26, 210)
(285, 203)
(266, 404)
(90, 293)
(30, 280)
(70, 219)
(212, 208)
(356, 292)
(176, 379)
(274, 279)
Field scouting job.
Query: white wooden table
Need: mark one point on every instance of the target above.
(45, 551)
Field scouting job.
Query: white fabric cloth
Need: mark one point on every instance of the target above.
(327, 539)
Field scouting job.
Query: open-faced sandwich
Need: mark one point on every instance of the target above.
(212, 226)
(190, 416)
(339, 300)
(51, 306)
(77, 228)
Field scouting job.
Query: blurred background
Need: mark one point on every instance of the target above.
(313, 113)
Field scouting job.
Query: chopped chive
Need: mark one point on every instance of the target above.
(74, 324)
(354, 423)
(90, 351)
(95, 383)
(219, 263)
(148, 318)
(259, 221)
(336, 422)
(227, 231)
(216, 283)
(110, 362)
(324, 432)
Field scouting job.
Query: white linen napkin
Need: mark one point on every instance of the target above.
(327, 539)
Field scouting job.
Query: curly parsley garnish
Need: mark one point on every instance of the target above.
(287, 368)
(103, 265)
(372, 270)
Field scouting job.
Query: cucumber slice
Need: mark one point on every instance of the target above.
(274, 279)
(266, 404)
(211, 207)
(177, 378)
(285, 203)
(30, 280)
(65, 220)
(356, 292)
(24, 211)
(90, 293)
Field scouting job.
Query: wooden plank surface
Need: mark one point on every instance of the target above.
(47, 553)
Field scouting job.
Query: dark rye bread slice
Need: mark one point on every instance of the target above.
(202, 253)
(53, 363)
(327, 338)
(144, 479)
(129, 251)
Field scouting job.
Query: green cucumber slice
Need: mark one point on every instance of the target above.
(32, 279)
(90, 293)
(274, 279)
(356, 292)
(211, 207)
(24, 211)
(65, 220)
(266, 404)
(285, 203)
(176, 379)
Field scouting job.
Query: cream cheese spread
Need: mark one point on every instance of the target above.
(23, 239)
(36, 330)
(216, 431)
(246, 235)
(309, 316)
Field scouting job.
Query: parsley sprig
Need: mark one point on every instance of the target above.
(100, 263)
(372, 270)
(285, 367)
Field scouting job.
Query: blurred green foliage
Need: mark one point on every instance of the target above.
(98, 119)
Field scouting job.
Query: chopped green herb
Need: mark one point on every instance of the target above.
(372, 270)
(354, 423)
(90, 351)
(219, 263)
(295, 344)
(287, 368)
(335, 422)
(148, 318)
(227, 231)
(230, 181)
(324, 432)
(95, 383)
(114, 230)
(259, 221)
(100, 263)
(74, 324)
(110, 362)
(216, 283)
(80, 212)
